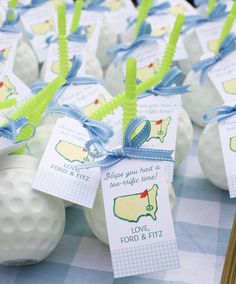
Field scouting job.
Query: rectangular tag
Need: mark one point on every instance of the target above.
(227, 130)
(12, 87)
(52, 65)
(40, 22)
(163, 113)
(148, 58)
(208, 35)
(58, 172)
(8, 45)
(180, 7)
(162, 25)
(223, 76)
(138, 216)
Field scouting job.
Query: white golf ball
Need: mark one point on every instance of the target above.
(201, 98)
(211, 157)
(26, 65)
(96, 216)
(194, 52)
(31, 222)
(107, 39)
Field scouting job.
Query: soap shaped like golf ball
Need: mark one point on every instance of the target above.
(31, 222)
(210, 156)
(96, 216)
(194, 51)
(26, 65)
(201, 98)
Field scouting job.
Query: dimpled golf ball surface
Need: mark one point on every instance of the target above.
(31, 223)
(96, 216)
(201, 98)
(211, 157)
(107, 39)
(184, 136)
(194, 52)
(26, 65)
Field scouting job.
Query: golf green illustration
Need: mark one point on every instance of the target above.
(132, 207)
(233, 144)
(147, 71)
(230, 86)
(159, 129)
(7, 89)
(72, 152)
(42, 28)
(93, 106)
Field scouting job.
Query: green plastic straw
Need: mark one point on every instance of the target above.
(167, 60)
(8, 103)
(62, 40)
(130, 100)
(76, 15)
(211, 6)
(12, 5)
(227, 26)
(142, 14)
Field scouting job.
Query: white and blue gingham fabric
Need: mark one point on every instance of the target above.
(203, 219)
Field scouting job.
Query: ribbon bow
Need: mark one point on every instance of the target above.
(2, 58)
(168, 86)
(95, 5)
(194, 21)
(143, 37)
(71, 79)
(227, 47)
(10, 26)
(33, 4)
(97, 129)
(131, 148)
(153, 11)
(10, 130)
(219, 113)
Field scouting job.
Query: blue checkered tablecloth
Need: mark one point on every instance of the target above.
(203, 219)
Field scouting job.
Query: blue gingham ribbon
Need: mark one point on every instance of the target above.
(227, 47)
(71, 79)
(168, 86)
(157, 9)
(194, 20)
(219, 113)
(11, 27)
(130, 149)
(125, 49)
(96, 5)
(200, 2)
(2, 58)
(96, 129)
(11, 129)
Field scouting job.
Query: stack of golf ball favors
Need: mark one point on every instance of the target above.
(35, 182)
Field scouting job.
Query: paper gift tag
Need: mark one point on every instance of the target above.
(40, 22)
(138, 216)
(162, 25)
(180, 7)
(209, 33)
(223, 76)
(91, 23)
(52, 65)
(163, 114)
(227, 130)
(148, 58)
(12, 87)
(58, 173)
